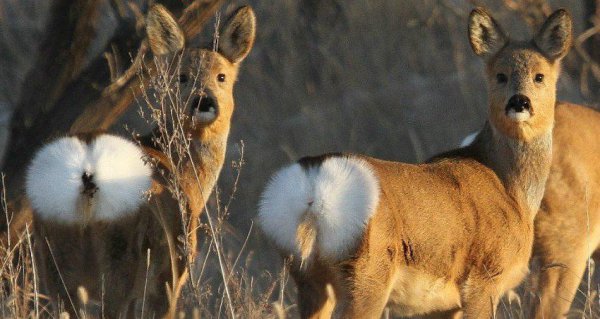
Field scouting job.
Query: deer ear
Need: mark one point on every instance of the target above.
(555, 36)
(164, 33)
(485, 35)
(237, 37)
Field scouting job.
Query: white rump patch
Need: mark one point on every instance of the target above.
(469, 139)
(54, 182)
(343, 193)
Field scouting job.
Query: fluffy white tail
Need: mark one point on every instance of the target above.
(105, 179)
(324, 207)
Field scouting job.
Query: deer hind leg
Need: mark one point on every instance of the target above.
(315, 299)
(160, 300)
(367, 299)
(559, 281)
(51, 281)
(370, 279)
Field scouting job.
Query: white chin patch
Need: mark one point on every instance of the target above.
(518, 116)
(204, 117)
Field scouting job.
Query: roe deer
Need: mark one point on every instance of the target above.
(567, 226)
(446, 238)
(93, 226)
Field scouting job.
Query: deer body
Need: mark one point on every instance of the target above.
(567, 226)
(448, 237)
(468, 261)
(116, 230)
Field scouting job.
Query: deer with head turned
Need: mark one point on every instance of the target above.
(95, 225)
(444, 238)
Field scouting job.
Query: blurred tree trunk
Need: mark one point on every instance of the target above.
(45, 108)
(70, 32)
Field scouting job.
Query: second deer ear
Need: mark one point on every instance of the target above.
(555, 36)
(164, 33)
(485, 35)
(237, 37)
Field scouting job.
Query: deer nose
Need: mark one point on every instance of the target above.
(205, 108)
(518, 103)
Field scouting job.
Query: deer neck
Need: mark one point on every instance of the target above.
(202, 171)
(523, 166)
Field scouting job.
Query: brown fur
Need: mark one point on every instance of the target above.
(567, 228)
(463, 265)
(112, 257)
(451, 237)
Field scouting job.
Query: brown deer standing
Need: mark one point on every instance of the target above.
(93, 224)
(567, 229)
(442, 238)
(567, 225)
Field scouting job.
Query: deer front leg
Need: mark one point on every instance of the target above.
(480, 301)
(559, 283)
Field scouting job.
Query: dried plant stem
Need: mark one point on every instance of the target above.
(36, 297)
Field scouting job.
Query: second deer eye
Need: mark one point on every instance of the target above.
(183, 78)
(501, 78)
(221, 77)
(539, 78)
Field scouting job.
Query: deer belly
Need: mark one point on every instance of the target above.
(415, 292)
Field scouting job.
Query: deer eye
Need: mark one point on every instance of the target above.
(221, 77)
(539, 78)
(501, 78)
(183, 78)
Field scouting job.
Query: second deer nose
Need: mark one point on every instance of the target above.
(204, 104)
(518, 103)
